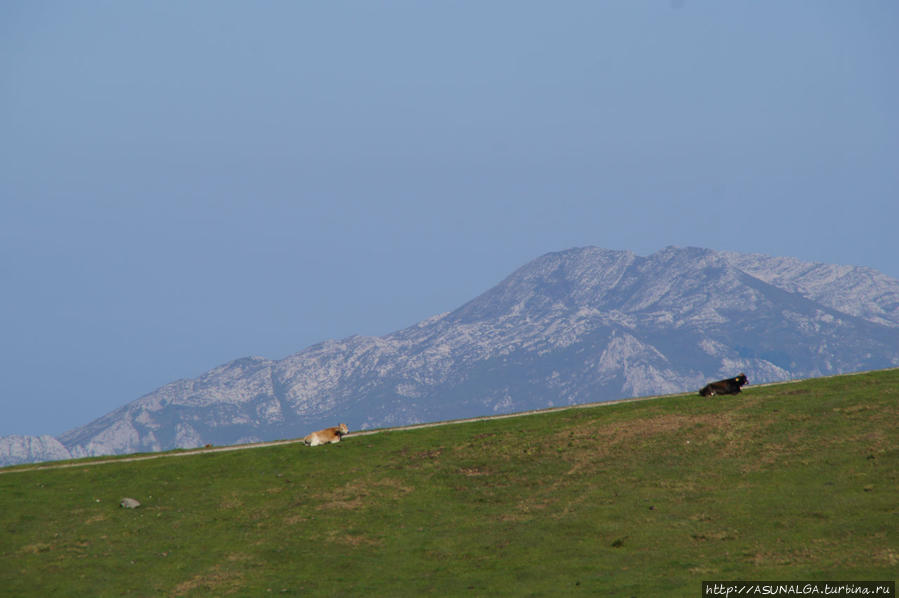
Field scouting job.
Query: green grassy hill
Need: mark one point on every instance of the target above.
(789, 482)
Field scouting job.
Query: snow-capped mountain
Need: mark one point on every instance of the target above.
(576, 326)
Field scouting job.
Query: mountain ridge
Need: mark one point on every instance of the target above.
(569, 327)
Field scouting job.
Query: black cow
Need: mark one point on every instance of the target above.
(731, 386)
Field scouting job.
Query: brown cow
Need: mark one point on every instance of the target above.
(326, 436)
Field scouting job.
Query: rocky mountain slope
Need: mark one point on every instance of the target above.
(581, 325)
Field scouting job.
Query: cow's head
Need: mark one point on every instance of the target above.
(343, 429)
(742, 379)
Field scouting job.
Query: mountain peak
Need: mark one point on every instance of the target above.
(603, 279)
(564, 279)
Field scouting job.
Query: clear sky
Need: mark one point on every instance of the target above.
(186, 183)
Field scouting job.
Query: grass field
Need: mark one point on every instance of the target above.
(788, 482)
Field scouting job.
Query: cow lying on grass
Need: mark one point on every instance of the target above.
(326, 436)
(731, 386)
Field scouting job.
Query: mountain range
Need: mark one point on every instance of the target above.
(576, 326)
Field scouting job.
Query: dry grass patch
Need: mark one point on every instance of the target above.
(528, 508)
(220, 580)
(36, 548)
(785, 557)
(474, 471)
(354, 540)
(232, 501)
(608, 435)
(355, 494)
(295, 519)
(887, 556)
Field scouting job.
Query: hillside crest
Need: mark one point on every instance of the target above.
(575, 326)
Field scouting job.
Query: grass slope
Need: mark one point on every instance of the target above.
(795, 481)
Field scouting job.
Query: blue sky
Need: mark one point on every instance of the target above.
(185, 183)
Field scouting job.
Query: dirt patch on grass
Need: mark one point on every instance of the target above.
(419, 459)
(474, 471)
(428, 455)
(295, 519)
(232, 501)
(528, 508)
(783, 558)
(353, 540)
(36, 548)
(614, 433)
(714, 536)
(357, 494)
(707, 571)
(887, 556)
(343, 502)
(221, 580)
(590, 443)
